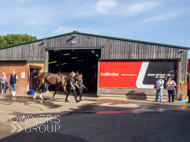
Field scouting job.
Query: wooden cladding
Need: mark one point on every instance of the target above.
(112, 49)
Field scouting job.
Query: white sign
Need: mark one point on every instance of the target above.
(22, 74)
(74, 41)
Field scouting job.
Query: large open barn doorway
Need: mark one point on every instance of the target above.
(84, 61)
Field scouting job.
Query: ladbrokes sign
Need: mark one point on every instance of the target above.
(134, 74)
(109, 74)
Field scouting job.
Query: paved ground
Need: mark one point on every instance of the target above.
(93, 120)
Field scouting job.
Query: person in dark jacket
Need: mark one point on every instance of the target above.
(80, 87)
(188, 86)
(72, 87)
(13, 79)
(94, 82)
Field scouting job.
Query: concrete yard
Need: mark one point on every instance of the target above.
(92, 120)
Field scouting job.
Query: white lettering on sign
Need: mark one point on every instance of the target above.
(151, 74)
(128, 74)
(22, 74)
(109, 74)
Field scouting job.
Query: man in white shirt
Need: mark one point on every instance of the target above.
(159, 87)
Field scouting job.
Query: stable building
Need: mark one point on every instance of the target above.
(125, 68)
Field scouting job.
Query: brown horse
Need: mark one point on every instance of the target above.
(57, 80)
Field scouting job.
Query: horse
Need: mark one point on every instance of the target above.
(58, 80)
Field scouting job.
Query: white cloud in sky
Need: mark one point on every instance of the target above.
(21, 0)
(66, 29)
(103, 6)
(140, 7)
(161, 17)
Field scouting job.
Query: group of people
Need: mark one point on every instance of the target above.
(171, 84)
(4, 83)
(74, 85)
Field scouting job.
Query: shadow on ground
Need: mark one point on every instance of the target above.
(145, 123)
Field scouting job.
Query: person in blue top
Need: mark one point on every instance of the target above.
(3, 78)
(13, 79)
(72, 87)
(159, 87)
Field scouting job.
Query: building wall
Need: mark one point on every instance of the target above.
(112, 49)
(22, 85)
(31, 51)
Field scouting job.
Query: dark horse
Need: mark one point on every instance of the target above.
(57, 80)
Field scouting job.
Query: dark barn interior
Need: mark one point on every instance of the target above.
(85, 61)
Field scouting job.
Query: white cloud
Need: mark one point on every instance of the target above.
(103, 6)
(161, 17)
(65, 29)
(21, 0)
(140, 7)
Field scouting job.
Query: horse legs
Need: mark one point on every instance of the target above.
(54, 94)
(35, 94)
(56, 89)
(65, 90)
(41, 93)
(36, 89)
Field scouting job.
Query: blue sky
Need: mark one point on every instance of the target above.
(161, 21)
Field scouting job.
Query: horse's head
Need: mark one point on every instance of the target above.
(77, 76)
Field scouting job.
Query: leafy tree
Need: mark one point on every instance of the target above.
(12, 39)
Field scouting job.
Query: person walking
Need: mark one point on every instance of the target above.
(3, 78)
(159, 87)
(72, 87)
(171, 88)
(13, 79)
(80, 87)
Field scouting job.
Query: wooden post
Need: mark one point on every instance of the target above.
(69, 61)
(46, 68)
(46, 63)
(59, 62)
(98, 78)
(178, 79)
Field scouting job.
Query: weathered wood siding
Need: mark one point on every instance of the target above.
(31, 51)
(113, 49)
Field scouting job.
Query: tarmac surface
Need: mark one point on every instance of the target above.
(24, 119)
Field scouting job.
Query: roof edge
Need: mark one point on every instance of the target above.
(28, 61)
(36, 40)
(35, 61)
(132, 40)
(109, 37)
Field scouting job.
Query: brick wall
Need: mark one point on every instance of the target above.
(22, 85)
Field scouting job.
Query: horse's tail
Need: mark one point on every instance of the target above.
(36, 83)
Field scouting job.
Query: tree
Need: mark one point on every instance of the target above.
(12, 39)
